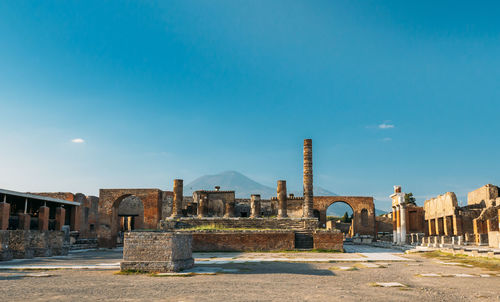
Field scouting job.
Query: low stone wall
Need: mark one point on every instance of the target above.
(243, 241)
(328, 240)
(157, 251)
(21, 244)
(247, 223)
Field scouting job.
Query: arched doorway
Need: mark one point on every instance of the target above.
(363, 220)
(341, 216)
(129, 210)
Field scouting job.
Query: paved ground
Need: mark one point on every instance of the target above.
(355, 276)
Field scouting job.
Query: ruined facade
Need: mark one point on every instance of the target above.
(407, 218)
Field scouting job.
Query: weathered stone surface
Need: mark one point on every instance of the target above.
(178, 194)
(282, 199)
(4, 215)
(486, 196)
(157, 251)
(5, 251)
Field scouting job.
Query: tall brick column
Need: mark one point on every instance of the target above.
(74, 222)
(24, 221)
(255, 205)
(60, 218)
(178, 194)
(457, 225)
(43, 218)
(308, 179)
(4, 214)
(282, 201)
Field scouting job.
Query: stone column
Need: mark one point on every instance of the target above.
(178, 195)
(281, 190)
(202, 203)
(439, 231)
(255, 206)
(403, 223)
(308, 180)
(394, 226)
(74, 221)
(60, 218)
(229, 211)
(43, 218)
(4, 214)
(398, 224)
(457, 225)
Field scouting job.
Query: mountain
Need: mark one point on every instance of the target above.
(244, 186)
(339, 208)
(230, 180)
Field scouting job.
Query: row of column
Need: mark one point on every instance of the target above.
(25, 218)
(399, 224)
(446, 225)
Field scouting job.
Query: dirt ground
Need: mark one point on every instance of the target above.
(266, 280)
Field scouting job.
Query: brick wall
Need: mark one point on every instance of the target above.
(249, 223)
(243, 241)
(328, 240)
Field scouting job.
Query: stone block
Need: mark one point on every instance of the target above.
(157, 252)
(328, 240)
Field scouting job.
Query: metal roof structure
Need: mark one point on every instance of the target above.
(38, 197)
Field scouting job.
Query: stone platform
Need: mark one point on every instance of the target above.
(157, 251)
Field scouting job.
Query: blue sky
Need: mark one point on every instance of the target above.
(391, 92)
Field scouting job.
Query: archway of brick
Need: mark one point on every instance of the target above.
(109, 222)
(363, 212)
(344, 227)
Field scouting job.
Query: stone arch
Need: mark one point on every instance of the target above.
(109, 201)
(358, 204)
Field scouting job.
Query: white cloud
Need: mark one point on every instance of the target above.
(385, 126)
(78, 141)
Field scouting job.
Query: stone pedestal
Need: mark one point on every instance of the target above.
(4, 215)
(157, 252)
(60, 218)
(43, 219)
(24, 221)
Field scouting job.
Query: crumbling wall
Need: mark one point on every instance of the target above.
(23, 244)
(484, 196)
(328, 240)
(241, 223)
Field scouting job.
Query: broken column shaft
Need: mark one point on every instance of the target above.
(177, 204)
(282, 199)
(308, 179)
(255, 206)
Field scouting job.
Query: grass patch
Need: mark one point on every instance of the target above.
(482, 262)
(216, 227)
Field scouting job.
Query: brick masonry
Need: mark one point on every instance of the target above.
(156, 251)
(247, 223)
(243, 241)
(328, 240)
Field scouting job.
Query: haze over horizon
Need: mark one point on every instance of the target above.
(127, 94)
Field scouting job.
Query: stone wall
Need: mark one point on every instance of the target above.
(243, 241)
(155, 251)
(247, 223)
(328, 240)
(443, 205)
(483, 196)
(21, 244)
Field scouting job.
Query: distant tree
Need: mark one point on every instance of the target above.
(346, 218)
(410, 199)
